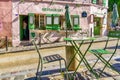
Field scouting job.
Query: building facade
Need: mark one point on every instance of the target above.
(28, 15)
(5, 18)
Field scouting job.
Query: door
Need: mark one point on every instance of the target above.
(97, 25)
(24, 29)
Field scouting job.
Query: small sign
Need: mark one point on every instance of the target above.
(84, 14)
(52, 9)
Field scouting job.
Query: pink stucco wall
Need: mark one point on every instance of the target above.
(5, 18)
(26, 7)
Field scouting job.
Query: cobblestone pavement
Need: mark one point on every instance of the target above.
(25, 63)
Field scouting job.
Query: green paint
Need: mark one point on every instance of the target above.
(94, 1)
(76, 26)
(97, 27)
(21, 27)
(97, 30)
(115, 34)
(104, 2)
(31, 21)
(32, 34)
(52, 26)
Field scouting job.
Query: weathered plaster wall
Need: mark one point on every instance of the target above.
(15, 23)
(24, 8)
(5, 18)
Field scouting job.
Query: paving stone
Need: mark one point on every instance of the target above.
(12, 78)
(56, 78)
(30, 75)
(8, 78)
(117, 78)
(20, 77)
(107, 78)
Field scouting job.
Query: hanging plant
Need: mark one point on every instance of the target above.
(77, 5)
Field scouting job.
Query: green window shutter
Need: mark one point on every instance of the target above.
(104, 2)
(94, 1)
(48, 14)
(56, 14)
(31, 21)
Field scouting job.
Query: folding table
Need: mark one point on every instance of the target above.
(77, 43)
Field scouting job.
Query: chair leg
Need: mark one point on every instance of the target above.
(38, 76)
(66, 71)
(107, 64)
(96, 62)
(60, 66)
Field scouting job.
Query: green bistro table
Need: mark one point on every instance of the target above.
(76, 44)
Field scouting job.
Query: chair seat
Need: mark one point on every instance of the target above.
(100, 51)
(52, 58)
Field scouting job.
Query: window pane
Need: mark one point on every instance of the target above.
(36, 21)
(56, 20)
(76, 21)
(31, 19)
(94, 1)
(49, 20)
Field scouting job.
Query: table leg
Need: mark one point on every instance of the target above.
(82, 56)
(72, 58)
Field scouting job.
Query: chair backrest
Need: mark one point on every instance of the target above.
(37, 49)
(114, 34)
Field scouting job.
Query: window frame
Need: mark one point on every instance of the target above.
(53, 26)
(76, 16)
(47, 20)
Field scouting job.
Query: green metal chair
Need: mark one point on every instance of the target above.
(47, 59)
(100, 52)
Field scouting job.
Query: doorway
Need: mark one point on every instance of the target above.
(97, 26)
(24, 29)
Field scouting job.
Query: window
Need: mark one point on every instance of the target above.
(36, 21)
(49, 20)
(42, 22)
(94, 1)
(104, 2)
(52, 22)
(39, 21)
(56, 20)
(99, 2)
(76, 22)
(31, 19)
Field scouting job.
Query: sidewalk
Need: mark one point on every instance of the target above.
(26, 54)
(29, 46)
